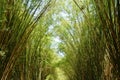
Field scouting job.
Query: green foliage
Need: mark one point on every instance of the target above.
(50, 39)
(18, 19)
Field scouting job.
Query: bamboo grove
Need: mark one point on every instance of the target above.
(60, 39)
